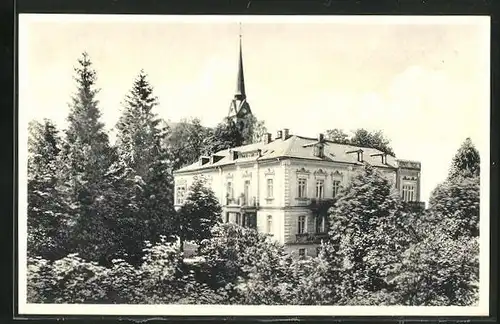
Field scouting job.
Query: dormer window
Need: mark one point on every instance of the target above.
(383, 157)
(319, 150)
(359, 154)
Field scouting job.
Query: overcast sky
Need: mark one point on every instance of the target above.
(426, 85)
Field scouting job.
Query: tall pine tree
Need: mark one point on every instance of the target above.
(199, 213)
(144, 170)
(466, 161)
(85, 160)
(46, 217)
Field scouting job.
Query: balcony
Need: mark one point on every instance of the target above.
(321, 205)
(310, 238)
(242, 202)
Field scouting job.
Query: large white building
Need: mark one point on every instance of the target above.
(279, 185)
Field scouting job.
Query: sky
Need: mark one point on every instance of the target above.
(424, 83)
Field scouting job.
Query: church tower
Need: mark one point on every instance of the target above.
(239, 110)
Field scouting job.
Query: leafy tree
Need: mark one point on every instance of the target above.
(225, 135)
(337, 135)
(368, 230)
(237, 258)
(466, 161)
(439, 271)
(442, 266)
(314, 281)
(454, 205)
(46, 212)
(85, 159)
(141, 194)
(253, 131)
(185, 141)
(199, 213)
(376, 140)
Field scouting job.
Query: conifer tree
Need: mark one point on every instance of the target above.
(142, 173)
(199, 213)
(86, 157)
(46, 218)
(466, 161)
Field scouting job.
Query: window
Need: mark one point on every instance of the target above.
(269, 224)
(302, 253)
(229, 190)
(320, 224)
(320, 188)
(247, 192)
(181, 192)
(336, 187)
(409, 193)
(302, 225)
(238, 219)
(227, 217)
(269, 188)
(302, 188)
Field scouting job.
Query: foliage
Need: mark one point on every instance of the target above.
(137, 127)
(466, 161)
(46, 212)
(68, 279)
(314, 281)
(454, 205)
(115, 205)
(361, 137)
(368, 229)
(338, 136)
(232, 255)
(440, 271)
(185, 142)
(442, 266)
(225, 135)
(141, 195)
(84, 161)
(376, 140)
(199, 213)
(253, 130)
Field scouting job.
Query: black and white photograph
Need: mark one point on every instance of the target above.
(253, 165)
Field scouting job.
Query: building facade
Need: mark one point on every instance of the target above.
(278, 186)
(281, 185)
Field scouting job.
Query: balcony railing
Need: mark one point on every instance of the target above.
(311, 238)
(321, 204)
(242, 201)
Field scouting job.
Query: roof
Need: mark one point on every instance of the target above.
(297, 147)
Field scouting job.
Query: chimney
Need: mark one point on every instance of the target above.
(360, 156)
(286, 133)
(321, 137)
(204, 160)
(267, 138)
(279, 134)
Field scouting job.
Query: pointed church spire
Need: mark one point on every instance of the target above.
(240, 82)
